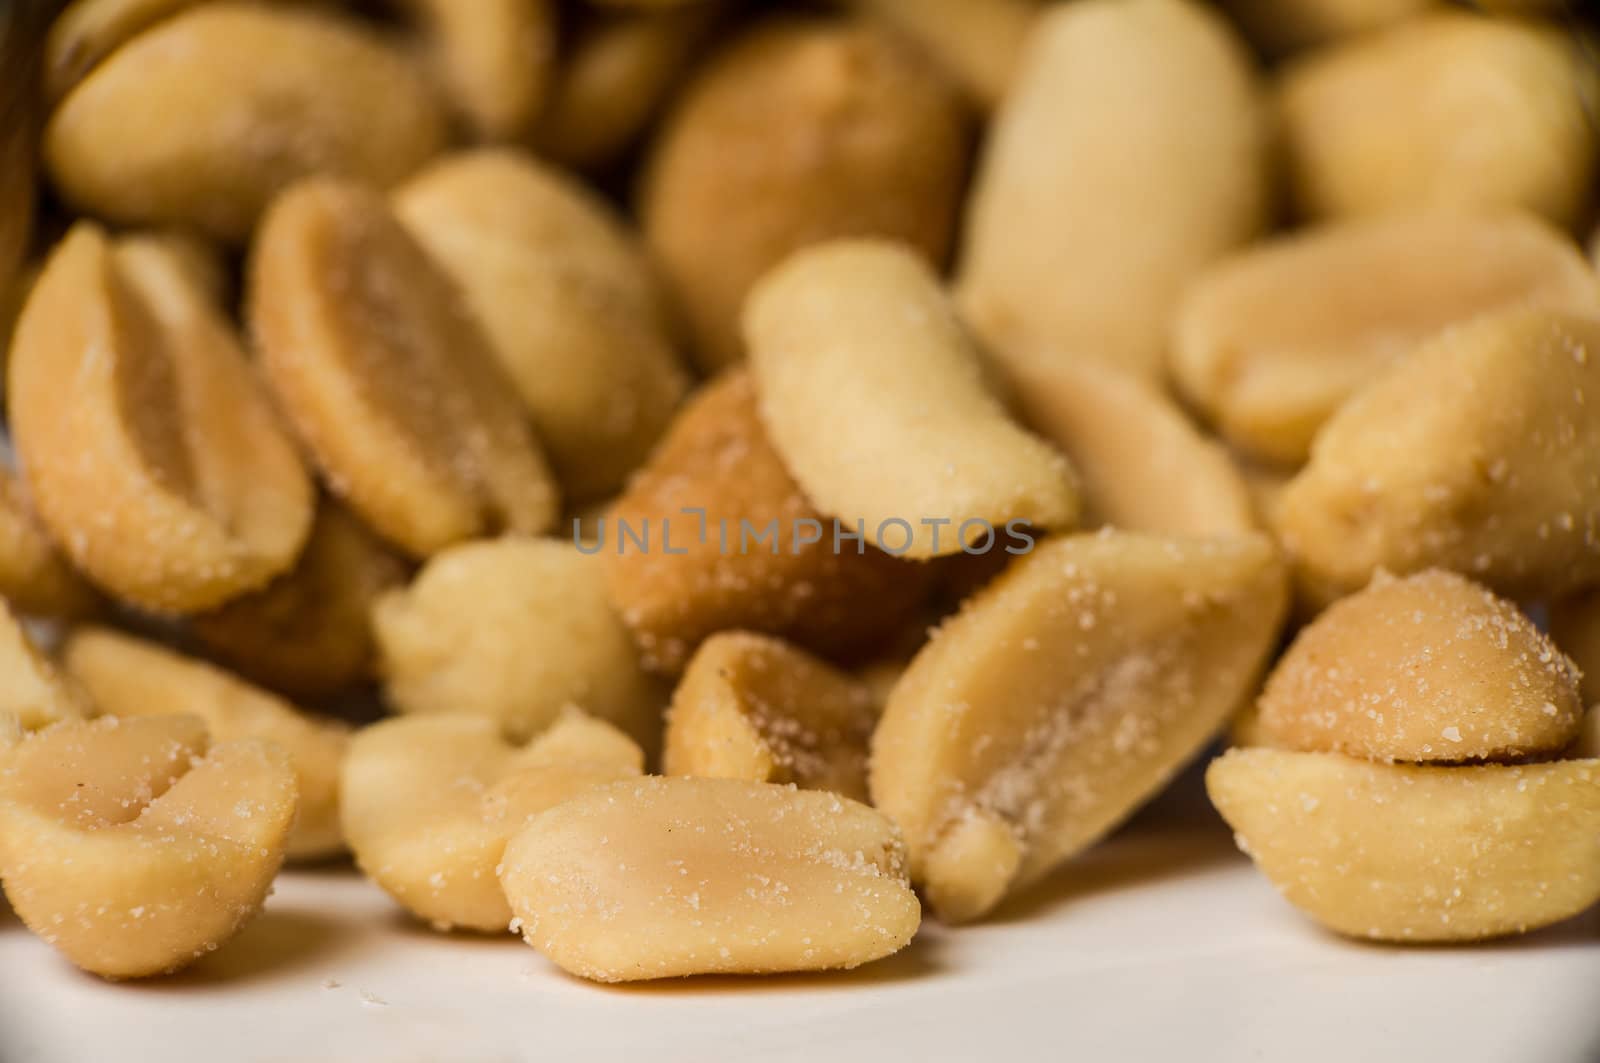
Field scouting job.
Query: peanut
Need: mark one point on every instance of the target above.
(858, 336)
(1271, 342)
(1062, 696)
(130, 677)
(1409, 853)
(754, 707)
(390, 383)
(133, 847)
(658, 878)
(1575, 627)
(33, 692)
(976, 41)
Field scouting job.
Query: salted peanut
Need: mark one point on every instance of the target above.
(976, 42)
(567, 298)
(1447, 110)
(513, 630)
(1130, 152)
(734, 544)
(34, 577)
(665, 877)
(204, 118)
(309, 632)
(1498, 479)
(1270, 342)
(134, 846)
(1142, 464)
(754, 707)
(1413, 853)
(428, 803)
(618, 70)
(1280, 26)
(33, 692)
(1062, 696)
(798, 132)
(152, 455)
(391, 384)
(1430, 668)
(1575, 627)
(857, 336)
(127, 676)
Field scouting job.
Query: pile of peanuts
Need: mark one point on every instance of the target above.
(1068, 361)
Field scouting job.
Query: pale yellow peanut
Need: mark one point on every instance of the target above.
(152, 455)
(1575, 627)
(1497, 479)
(1063, 695)
(34, 577)
(204, 118)
(754, 707)
(133, 846)
(428, 803)
(569, 301)
(1444, 111)
(664, 877)
(976, 41)
(1289, 25)
(797, 132)
(1130, 152)
(1409, 853)
(388, 379)
(1270, 342)
(513, 630)
(1142, 464)
(127, 676)
(857, 336)
(1429, 668)
(33, 692)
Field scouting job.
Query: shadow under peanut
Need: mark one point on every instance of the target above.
(280, 942)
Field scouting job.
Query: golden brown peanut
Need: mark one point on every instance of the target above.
(1270, 342)
(754, 707)
(856, 351)
(1415, 853)
(716, 457)
(309, 632)
(87, 31)
(127, 676)
(1498, 479)
(513, 630)
(132, 847)
(1447, 110)
(568, 300)
(34, 577)
(203, 119)
(198, 258)
(428, 803)
(1288, 25)
(152, 455)
(1575, 627)
(1430, 668)
(976, 41)
(390, 383)
(615, 75)
(1129, 153)
(798, 132)
(1062, 696)
(33, 693)
(1143, 466)
(664, 877)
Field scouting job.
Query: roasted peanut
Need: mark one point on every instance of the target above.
(87, 31)
(1062, 696)
(976, 41)
(204, 118)
(309, 632)
(1129, 153)
(714, 476)
(390, 383)
(1499, 479)
(1446, 110)
(132, 847)
(513, 630)
(1142, 465)
(1430, 668)
(1287, 25)
(1270, 342)
(33, 692)
(151, 453)
(568, 300)
(428, 803)
(1575, 627)
(34, 577)
(1397, 852)
(754, 707)
(858, 337)
(799, 132)
(130, 677)
(658, 878)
